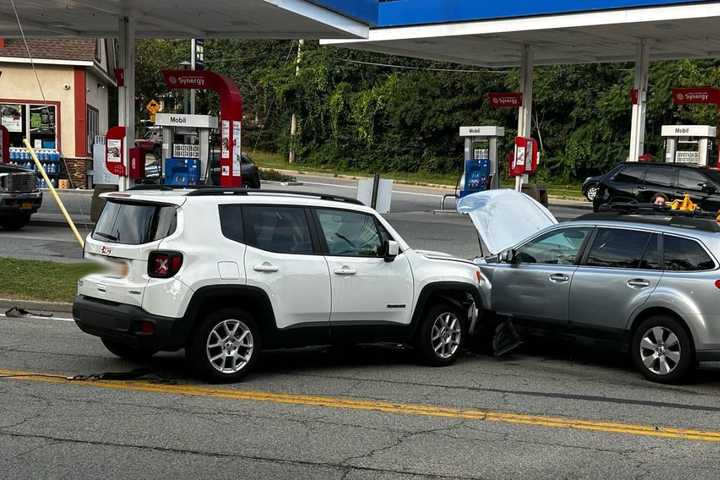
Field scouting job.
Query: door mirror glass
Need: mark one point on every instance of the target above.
(392, 250)
(508, 256)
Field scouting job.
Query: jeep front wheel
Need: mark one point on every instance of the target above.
(441, 335)
(225, 346)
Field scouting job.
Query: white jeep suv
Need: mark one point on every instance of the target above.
(225, 273)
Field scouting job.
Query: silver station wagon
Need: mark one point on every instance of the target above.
(644, 278)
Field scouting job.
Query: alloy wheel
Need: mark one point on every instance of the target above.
(446, 334)
(660, 350)
(592, 192)
(230, 346)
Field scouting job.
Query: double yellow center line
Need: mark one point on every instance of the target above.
(379, 406)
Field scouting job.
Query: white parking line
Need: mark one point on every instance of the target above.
(34, 317)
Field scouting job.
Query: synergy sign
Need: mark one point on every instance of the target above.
(701, 95)
(505, 99)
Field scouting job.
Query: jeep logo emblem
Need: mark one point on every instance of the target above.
(105, 250)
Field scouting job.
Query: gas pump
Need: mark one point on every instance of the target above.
(690, 144)
(186, 147)
(480, 169)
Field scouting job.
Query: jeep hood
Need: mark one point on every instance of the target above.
(504, 218)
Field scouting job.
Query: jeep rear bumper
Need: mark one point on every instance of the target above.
(127, 324)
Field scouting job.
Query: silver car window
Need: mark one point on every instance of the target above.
(559, 247)
(683, 254)
(617, 248)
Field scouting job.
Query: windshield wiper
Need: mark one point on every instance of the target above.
(107, 235)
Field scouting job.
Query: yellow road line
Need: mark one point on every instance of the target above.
(380, 406)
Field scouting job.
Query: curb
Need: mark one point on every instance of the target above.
(39, 306)
(56, 223)
(399, 182)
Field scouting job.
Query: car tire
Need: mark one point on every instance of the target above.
(128, 352)
(16, 222)
(663, 350)
(441, 335)
(225, 346)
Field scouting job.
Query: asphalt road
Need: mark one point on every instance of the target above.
(370, 412)
(411, 214)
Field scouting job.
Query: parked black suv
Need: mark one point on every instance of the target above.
(19, 196)
(643, 181)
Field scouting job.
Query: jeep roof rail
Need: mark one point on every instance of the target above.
(203, 192)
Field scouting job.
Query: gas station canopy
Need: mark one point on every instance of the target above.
(189, 18)
(492, 34)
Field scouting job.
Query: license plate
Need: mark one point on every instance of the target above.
(26, 206)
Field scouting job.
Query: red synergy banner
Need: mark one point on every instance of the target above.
(505, 99)
(231, 110)
(702, 95)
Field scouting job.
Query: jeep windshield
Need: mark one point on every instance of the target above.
(135, 223)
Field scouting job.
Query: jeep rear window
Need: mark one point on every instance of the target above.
(135, 223)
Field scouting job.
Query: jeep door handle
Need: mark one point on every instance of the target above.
(345, 271)
(266, 267)
(559, 278)
(638, 283)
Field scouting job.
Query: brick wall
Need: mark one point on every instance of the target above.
(77, 171)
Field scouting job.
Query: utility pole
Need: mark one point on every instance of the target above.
(293, 120)
(193, 66)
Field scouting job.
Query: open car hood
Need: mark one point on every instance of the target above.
(504, 218)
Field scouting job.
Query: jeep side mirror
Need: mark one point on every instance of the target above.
(392, 250)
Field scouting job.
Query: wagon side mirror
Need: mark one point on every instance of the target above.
(509, 256)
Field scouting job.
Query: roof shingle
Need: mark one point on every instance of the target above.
(80, 49)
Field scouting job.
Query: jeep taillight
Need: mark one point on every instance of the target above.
(164, 264)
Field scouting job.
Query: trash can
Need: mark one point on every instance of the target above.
(537, 192)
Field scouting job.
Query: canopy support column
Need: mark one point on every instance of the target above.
(126, 94)
(639, 108)
(525, 111)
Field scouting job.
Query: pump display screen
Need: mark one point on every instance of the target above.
(687, 156)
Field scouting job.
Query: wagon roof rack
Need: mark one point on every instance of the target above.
(217, 191)
(651, 214)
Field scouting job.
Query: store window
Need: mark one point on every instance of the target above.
(37, 123)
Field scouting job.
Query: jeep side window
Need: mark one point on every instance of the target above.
(559, 247)
(682, 254)
(617, 248)
(631, 174)
(348, 233)
(231, 222)
(277, 229)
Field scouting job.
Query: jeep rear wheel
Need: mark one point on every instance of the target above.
(225, 346)
(441, 335)
(662, 350)
(135, 354)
